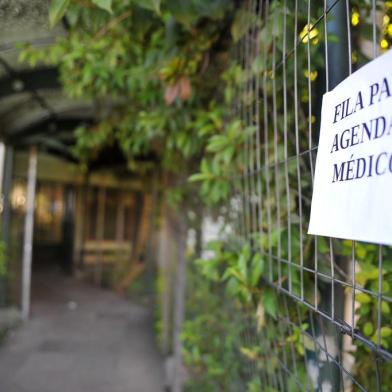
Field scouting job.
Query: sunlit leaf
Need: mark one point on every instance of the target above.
(104, 4)
(386, 332)
(363, 298)
(257, 267)
(385, 307)
(269, 301)
(57, 10)
(368, 328)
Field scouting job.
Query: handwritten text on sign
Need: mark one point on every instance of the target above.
(352, 193)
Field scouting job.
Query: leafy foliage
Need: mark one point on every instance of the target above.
(154, 63)
(57, 11)
(166, 71)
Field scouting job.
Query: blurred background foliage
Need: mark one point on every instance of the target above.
(169, 73)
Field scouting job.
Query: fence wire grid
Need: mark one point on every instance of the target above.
(333, 328)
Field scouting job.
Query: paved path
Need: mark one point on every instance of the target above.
(81, 339)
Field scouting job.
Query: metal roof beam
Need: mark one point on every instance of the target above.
(29, 80)
(47, 126)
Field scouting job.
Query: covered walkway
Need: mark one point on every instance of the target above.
(81, 339)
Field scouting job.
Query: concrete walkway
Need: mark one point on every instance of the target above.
(81, 339)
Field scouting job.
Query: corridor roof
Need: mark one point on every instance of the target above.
(33, 108)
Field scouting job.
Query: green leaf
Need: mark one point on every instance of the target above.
(269, 302)
(368, 329)
(361, 251)
(386, 332)
(364, 309)
(153, 5)
(243, 20)
(300, 349)
(104, 4)
(57, 10)
(201, 177)
(257, 269)
(385, 307)
(254, 385)
(243, 263)
(363, 298)
(232, 272)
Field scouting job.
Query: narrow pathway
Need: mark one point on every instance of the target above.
(81, 339)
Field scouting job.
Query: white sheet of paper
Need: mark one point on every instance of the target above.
(352, 193)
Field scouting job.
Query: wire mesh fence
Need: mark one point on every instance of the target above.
(332, 327)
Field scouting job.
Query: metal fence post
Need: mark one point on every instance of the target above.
(337, 69)
(338, 66)
(28, 233)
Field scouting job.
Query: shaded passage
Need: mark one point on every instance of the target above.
(81, 339)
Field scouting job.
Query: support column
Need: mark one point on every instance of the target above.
(100, 235)
(179, 300)
(150, 251)
(120, 222)
(3, 280)
(81, 234)
(164, 261)
(28, 233)
(68, 230)
(5, 194)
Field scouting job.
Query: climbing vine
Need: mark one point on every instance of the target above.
(169, 73)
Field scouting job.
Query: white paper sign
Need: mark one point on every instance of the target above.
(352, 194)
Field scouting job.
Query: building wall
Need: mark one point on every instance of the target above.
(93, 254)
